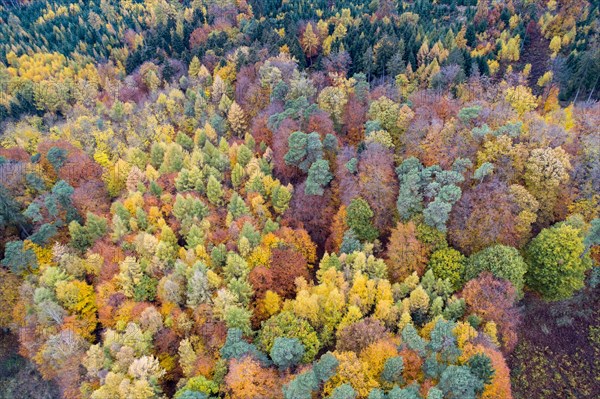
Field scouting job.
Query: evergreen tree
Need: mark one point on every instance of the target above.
(359, 216)
(318, 177)
(287, 352)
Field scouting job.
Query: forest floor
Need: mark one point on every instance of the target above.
(558, 355)
(18, 377)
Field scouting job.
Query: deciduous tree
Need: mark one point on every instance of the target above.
(557, 263)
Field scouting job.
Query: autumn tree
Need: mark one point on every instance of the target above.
(310, 41)
(358, 336)
(247, 379)
(494, 300)
(285, 266)
(405, 253)
(557, 263)
(485, 215)
(377, 184)
(237, 120)
(502, 261)
(547, 170)
(448, 263)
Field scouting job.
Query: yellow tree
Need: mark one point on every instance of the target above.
(333, 100)
(546, 171)
(194, 69)
(237, 120)
(521, 99)
(354, 372)
(310, 41)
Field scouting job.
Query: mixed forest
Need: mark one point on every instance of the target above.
(294, 199)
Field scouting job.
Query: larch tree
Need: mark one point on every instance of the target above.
(237, 120)
(310, 41)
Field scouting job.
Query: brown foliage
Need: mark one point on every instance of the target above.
(166, 341)
(355, 116)
(212, 331)
(412, 365)
(338, 228)
(15, 154)
(313, 212)
(111, 254)
(405, 253)
(91, 196)
(286, 265)
(300, 240)
(167, 182)
(79, 169)
(250, 95)
(280, 148)
(484, 216)
(321, 123)
(345, 183)
(378, 184)
(494, 300)
(261, 279)
(199, 36)
(360, 335)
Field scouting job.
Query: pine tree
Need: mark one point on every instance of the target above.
(18, 257)
(359, 216)
(318, 177)
(287, 352)
(301, 387)
(392, 370)
(304, 150)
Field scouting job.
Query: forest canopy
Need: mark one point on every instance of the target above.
(301, 199)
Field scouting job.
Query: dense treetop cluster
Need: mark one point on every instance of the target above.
(295, 200)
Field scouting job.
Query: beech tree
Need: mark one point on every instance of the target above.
(448, 263)
(494, 300)
(557, 263)
(405, 252)
(502, 261)
(247, 379)
(546, 170)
